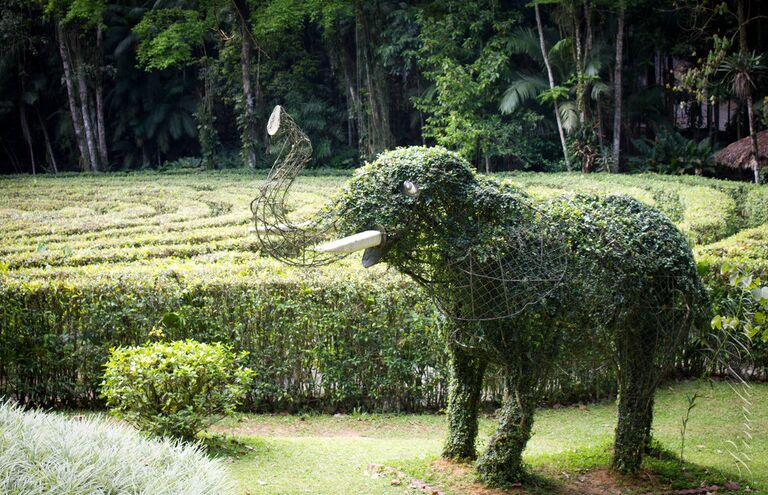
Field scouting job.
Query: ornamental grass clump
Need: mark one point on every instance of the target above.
(175, 389)
(42, 453)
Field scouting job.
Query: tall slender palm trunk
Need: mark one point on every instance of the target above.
(617, 90)
(743, 48)
(88, 124)
(100, 126)
(27, 135)
(551, 78)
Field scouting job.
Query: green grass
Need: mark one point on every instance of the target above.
(330, 455)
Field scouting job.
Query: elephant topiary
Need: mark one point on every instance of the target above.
(512, 277)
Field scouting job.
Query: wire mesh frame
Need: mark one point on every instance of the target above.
(499, 284)
(278, 236)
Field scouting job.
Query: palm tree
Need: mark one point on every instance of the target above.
(541, 87)
(741, 69)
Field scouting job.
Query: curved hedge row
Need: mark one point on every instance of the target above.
(88, 263)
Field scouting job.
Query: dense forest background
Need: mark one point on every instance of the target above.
(617, 85)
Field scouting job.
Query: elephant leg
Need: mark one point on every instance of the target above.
(633, 431)
(464, 389)
(647, 424)
(502, 462)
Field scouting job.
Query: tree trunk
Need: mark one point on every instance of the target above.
(588, 19)
(754, 160)
(617, 90)
(742, 16)
(27, 135)
(249, 134)
(85, 111)
(379, 126)
(48, 146)
(363, 128)
(249, 131)
(74, 110)
(100, 127)
(581, 86)
(543, 47)
(248, 127)
(344, 62)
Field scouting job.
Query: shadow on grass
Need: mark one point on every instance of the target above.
(224, 446)
(581, 471)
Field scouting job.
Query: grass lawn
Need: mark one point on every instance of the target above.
(383, 454)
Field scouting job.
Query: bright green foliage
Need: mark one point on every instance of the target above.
(750, 308)
(467, 62)
(608, 267)
(175, 389)
(48, 454)
(168, 38)
(739, 337)
(90, 263)
(86, 12)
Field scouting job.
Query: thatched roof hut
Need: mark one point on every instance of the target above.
(736, 155)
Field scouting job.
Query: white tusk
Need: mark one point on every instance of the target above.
(280, 227)
(363, 240)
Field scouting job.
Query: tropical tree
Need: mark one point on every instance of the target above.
(560, 88)
(740, 70)
(464, 54)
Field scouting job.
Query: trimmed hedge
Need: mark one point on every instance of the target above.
(148, 251)
(313, 343)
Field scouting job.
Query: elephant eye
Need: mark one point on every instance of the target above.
(410, 189)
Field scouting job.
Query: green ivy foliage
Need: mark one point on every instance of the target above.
(520, 275)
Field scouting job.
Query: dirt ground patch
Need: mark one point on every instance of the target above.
(453, 477)
(340, 425)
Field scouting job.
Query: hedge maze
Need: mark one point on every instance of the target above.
(88, 263)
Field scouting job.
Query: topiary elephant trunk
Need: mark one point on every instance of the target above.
(519, 282)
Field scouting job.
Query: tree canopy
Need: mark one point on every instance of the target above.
(102, 85)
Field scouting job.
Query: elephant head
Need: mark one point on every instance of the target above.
(422, 201)
(425, 212)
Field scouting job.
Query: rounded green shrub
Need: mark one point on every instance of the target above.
(175, 389)
(42, 453)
